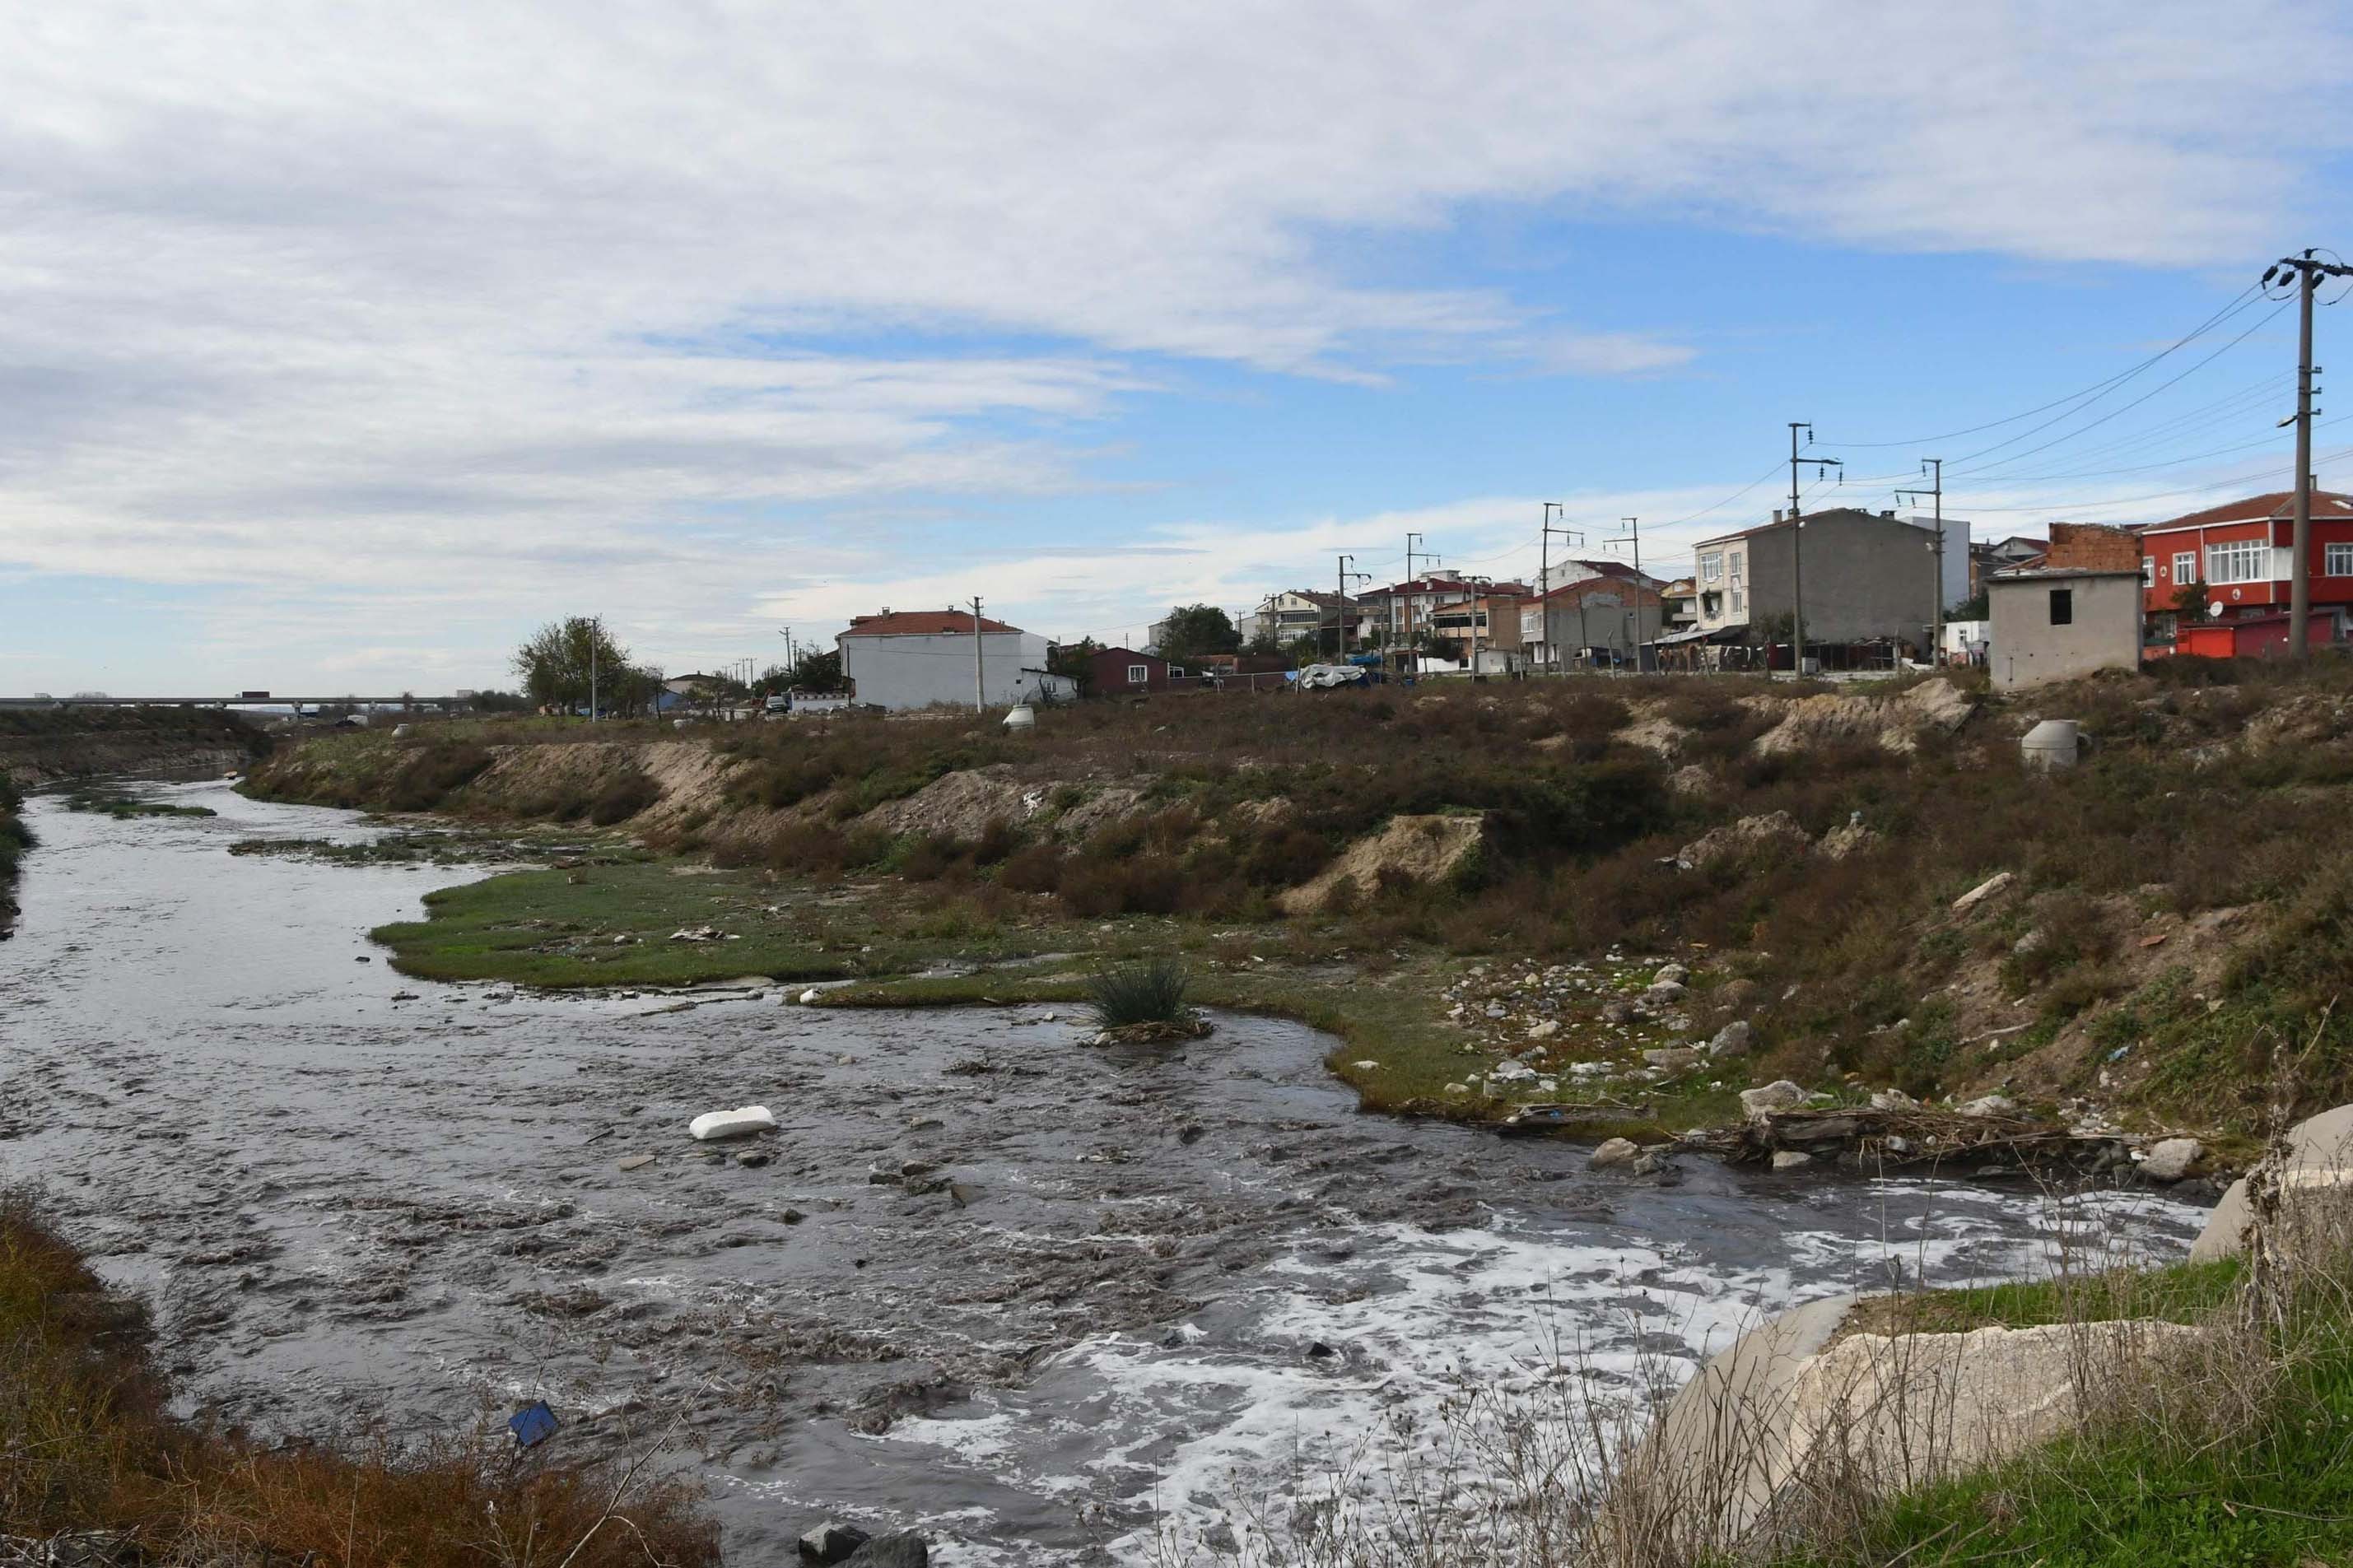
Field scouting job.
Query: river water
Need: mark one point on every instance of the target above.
(361, 1201)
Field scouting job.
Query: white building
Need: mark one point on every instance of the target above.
(923, 658)
(2052, 623)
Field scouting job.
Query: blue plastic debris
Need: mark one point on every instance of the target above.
(2120, 1053)
(532, 1425)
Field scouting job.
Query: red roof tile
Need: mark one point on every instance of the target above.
(2277, 506)
(920, 623)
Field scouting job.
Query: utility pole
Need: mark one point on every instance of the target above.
(1935, 465)
(1405, 627)
(1339, 609)
(1796, 551)
(1634, 532)
(2308, 271)
(980, 689)
(1575, 538)
(592, 672)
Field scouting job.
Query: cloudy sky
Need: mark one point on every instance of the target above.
(342, 344)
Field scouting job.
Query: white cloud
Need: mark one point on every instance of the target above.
(433, 313)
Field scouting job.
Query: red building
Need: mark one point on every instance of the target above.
(2246, 636)
(2239, 555)
(1115, 671)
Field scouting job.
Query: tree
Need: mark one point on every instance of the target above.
(558, 661)
(1192, 630)
(774, 679)
(819, 669)
(1075, 660)
(2190, 601)
(1265, 645)
(631, 690)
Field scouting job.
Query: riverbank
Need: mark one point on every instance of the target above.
(92, 1462)
(43, 747)
(15, 839)
(1867, 889)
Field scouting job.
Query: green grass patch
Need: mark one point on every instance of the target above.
(123, 808)
(559, 929)
(2183, 1293)
(2280, 1493)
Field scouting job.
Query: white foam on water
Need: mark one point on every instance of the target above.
(1189, 1423)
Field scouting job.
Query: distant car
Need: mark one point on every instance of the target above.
(779, 704)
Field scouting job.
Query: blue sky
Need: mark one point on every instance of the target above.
(346, 346)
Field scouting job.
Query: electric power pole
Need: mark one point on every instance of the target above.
(1935, 465)
(2308, 271)
(1405, 627)
(1340, 608)
(1575, 538)
(979, 688)
(1797, 551)
(1634, 532)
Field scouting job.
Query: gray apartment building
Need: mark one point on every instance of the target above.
(1868, 576)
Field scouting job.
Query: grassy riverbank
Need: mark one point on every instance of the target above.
(897, 945)
(1803, 854)
(87, 1444)
(2237, 1453)
(15, 839)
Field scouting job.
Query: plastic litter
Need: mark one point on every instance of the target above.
(737, 1124)
(532, 1425)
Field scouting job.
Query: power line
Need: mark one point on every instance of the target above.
(2111, 413)
(2237, 302)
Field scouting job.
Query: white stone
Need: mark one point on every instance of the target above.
(1674, 973)
(2169, 1159)
(1989, 1105)
(1790, 1159)
(1781, 1096)
(1993, 887)
(1737, 1038)
(1546, 1030)
(1614, 1152)
(1893, 1099)
(736, 1123)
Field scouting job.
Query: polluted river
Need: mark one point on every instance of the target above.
(1122, 1293)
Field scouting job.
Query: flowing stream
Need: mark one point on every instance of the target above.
(365, 1202)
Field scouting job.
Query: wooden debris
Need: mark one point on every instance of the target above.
(1913, 1137)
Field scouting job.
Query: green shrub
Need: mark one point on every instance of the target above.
(1151, 993)
(433, 771)
(622, 797)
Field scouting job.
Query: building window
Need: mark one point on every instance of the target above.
(2241, 561)
(2062, 607)
(2185, 567)
(1739, 603)
(1139, 675)
(2149, 571)
(1711, 568)
(2336, 561)
(1738, 559)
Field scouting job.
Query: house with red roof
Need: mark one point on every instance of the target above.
(2236, 560)
(929, 658)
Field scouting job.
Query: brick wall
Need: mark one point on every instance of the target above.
(2088, 547)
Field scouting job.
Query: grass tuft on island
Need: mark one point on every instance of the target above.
(87, 1444)
(123, 808)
